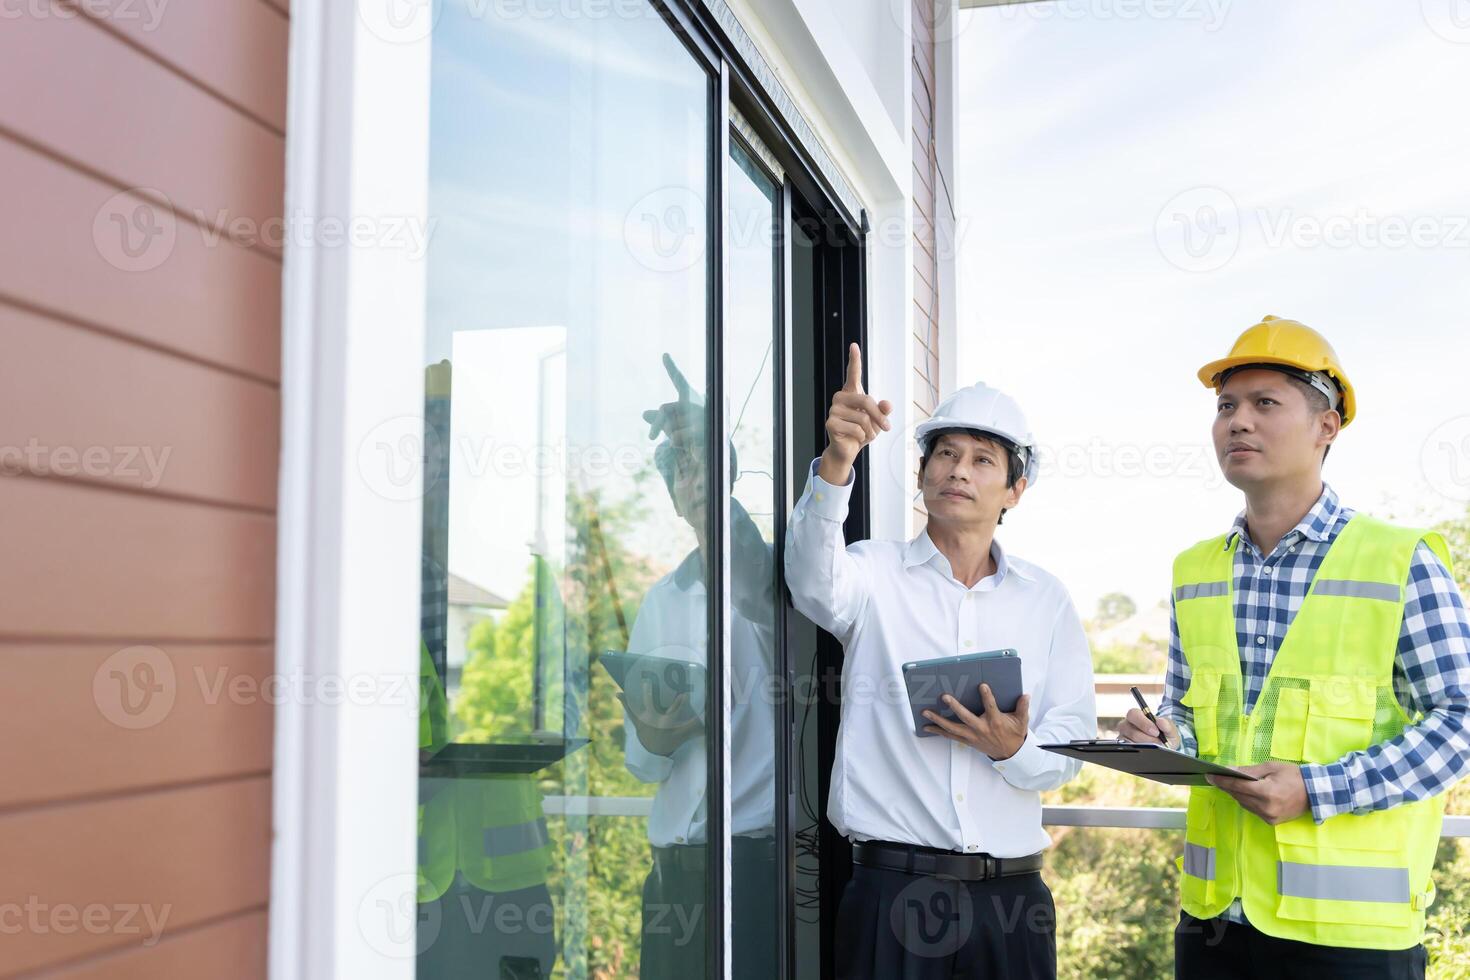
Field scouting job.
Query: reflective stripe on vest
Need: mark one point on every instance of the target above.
(1339, 883)
(1357, 590)
(1201, 590)
(504, 841)
(1199, 861)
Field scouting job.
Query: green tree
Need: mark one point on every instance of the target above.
(1114, 608)
(1116, 890)
(1449, 918)
(588, 605)
(1456, 533)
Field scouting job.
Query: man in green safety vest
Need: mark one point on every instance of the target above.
(1327, 654)
(483, 856)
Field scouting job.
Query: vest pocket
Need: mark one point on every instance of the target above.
(1203, 698)
(1199, 865)
(1349, 870)
(1289, 726)
(1340, 718)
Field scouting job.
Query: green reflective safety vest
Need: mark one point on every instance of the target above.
(490, 828)
(1357, 880)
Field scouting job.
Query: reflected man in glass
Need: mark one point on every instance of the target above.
(665, 720)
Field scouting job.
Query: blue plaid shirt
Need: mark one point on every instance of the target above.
(1431, 672)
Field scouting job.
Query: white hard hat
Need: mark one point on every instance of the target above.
(983, 409)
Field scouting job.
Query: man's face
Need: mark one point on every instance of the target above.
(964, 481)
(1266, 431)
(691, 483)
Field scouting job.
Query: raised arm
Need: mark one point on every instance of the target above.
(826, 581)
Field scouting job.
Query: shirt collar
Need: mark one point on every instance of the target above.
(1316, 525)
(690, 572)
(922, 550)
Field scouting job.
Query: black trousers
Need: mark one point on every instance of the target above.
(472, 934)
(1214, 949)
(675, 923)
(897, 926)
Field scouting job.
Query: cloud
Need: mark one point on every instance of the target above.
(1073, 136)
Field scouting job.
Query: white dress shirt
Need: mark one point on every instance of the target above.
(890, 602)
(672, 622)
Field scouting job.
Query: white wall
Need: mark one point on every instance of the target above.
(847, 63)
(878, 35)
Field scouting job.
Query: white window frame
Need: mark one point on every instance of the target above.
(345, 776)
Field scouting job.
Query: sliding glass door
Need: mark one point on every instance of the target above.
(568, 517)
(752, 331)
(605, 734)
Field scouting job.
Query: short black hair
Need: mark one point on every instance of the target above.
(1015, 465)
(1317, 403)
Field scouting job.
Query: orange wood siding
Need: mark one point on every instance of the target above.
(180, 857)
(926, 263)
(230, 949)
(139, 444)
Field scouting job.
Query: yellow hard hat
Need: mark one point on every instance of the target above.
(1288, 344)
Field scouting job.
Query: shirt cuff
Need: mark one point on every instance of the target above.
(1188, 744)
(1030, 759)
(825, 500)
(1329, 791)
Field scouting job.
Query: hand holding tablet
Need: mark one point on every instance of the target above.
(928, 681)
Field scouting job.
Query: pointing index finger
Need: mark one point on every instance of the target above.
(854, 369)
(681, 383)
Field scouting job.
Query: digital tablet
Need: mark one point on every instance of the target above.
(928, 681)
(663, 679)
(1157, 762)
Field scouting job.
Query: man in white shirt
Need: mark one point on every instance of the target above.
(664, 739)
(947, 831)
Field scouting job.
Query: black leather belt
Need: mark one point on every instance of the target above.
(694, 858)
(915, 860)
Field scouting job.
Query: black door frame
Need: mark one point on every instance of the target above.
(841, 317)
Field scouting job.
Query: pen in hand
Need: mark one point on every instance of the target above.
(1143, 705)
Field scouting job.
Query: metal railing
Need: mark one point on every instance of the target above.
(1106, 817)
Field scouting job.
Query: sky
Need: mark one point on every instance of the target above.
(567, 167)
(1138, 181)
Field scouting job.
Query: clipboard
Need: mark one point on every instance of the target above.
(508, 753)
(1156, 762)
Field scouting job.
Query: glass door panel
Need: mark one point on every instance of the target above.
(752, 329)
(565, 624)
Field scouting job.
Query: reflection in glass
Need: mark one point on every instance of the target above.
(567, 268)
(663, 675)
(751, 327)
